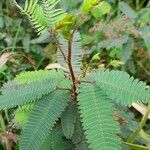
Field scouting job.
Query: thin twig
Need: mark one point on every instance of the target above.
(30, 61)
(146, 71)
(59, 88)
(91, 82)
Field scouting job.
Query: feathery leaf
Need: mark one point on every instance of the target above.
(25, 93)
(120, 86)
(42, 119)
(68, 121)
(42, 14)
(97, 118)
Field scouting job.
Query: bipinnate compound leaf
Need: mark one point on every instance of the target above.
(42, 119)
(42, 14)
(20, 94)
(122, 87)
(68, 120)
(96, 111)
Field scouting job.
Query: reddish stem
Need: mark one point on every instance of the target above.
(69, 59)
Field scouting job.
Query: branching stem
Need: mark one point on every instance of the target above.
(68, 61)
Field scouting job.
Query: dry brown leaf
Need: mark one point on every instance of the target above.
(10, 136)
(4, 58)
(55, 66)
(140, 108)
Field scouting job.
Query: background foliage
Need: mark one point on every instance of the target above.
(117, 37)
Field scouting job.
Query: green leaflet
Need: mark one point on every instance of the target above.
(35, 14)
(127, 10)
(120, 86)
(22, 113)
(53, 15)
(42, 119)
(21, 117)
(68, 121)
(47, 144)
(25, 93)
(101, 9)
(78, 137)
(82, 146)
(31, 76)
(88, 5)
(66, 25)
(42, 15)
(58, 141)
(9, 86)
(96, 111)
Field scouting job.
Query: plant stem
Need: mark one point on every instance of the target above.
(16, 36)
(146, 71)
(135, 146)
(141, 5)
(8, 146)
(118, 11)
(6, 114)
(69, 59)
(142, 123)
(137, 4)
(148, 4)
(2, 126)
(40, 62)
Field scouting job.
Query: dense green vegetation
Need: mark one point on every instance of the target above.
(74, 75)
